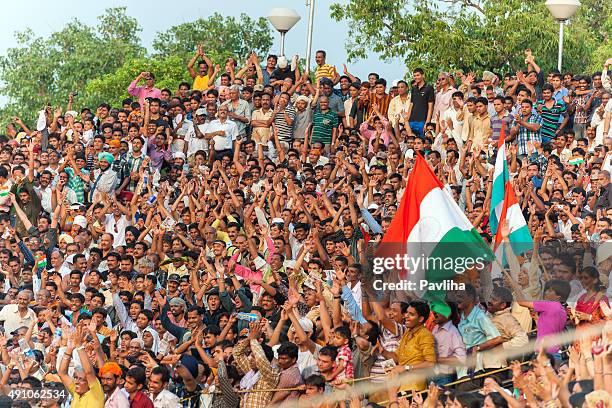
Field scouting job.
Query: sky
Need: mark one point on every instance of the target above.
(46, 17)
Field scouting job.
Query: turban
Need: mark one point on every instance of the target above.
(191, 364)
(112, 368)
(107, 157)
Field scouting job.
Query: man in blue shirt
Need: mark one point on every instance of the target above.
(478, 333)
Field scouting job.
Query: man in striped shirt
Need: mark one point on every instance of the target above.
(551, 111)
(284, 115)
(501, 118)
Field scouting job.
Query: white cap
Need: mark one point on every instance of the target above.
(201, 111)
(306, 324)
(282, 62)
(373, 206)
(178, 155)
(277, 220)
(604, 251)
(409, 154)
(289, 264)
(72, 113)
(80, 221)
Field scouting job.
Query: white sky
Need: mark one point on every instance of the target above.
(45, 17)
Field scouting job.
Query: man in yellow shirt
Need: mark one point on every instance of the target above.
(205, 70)
(417, 347)
(480, 126)
(325, 70)
(85, 388)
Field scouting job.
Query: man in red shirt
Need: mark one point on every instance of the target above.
(135, 380)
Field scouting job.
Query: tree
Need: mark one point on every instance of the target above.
(112, 88)
(39, 71)
(221, 37)
(464, 34)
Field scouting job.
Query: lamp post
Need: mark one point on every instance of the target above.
(283, 19)
(562, 10)
(311, 4)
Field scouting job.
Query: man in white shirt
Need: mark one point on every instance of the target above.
(400, 104)
(44, 190)
(105, 178)
(157, 386)
(18, 315)
(222, 132)
(454, 125)
(195, 134)
(116, 222)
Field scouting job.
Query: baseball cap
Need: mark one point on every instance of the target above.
(174, 277)
(201, 112)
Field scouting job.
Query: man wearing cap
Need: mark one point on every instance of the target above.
(173, 285)
(449, 344)
(195, 133)
(105, 179)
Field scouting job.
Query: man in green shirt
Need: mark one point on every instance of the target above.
(324, 123)
(551, 111)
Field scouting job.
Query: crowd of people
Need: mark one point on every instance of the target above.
(208, 246)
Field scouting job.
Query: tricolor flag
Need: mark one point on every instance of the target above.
(505, 206)
(430, 225)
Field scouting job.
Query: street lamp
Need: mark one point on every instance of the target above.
(561, 11)
(311, 10)
(283, 19)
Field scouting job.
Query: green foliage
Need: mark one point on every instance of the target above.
(604, 49)
(100, 62)
(112, 88)
(465, 34)
(40, 70)
(222, 37)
